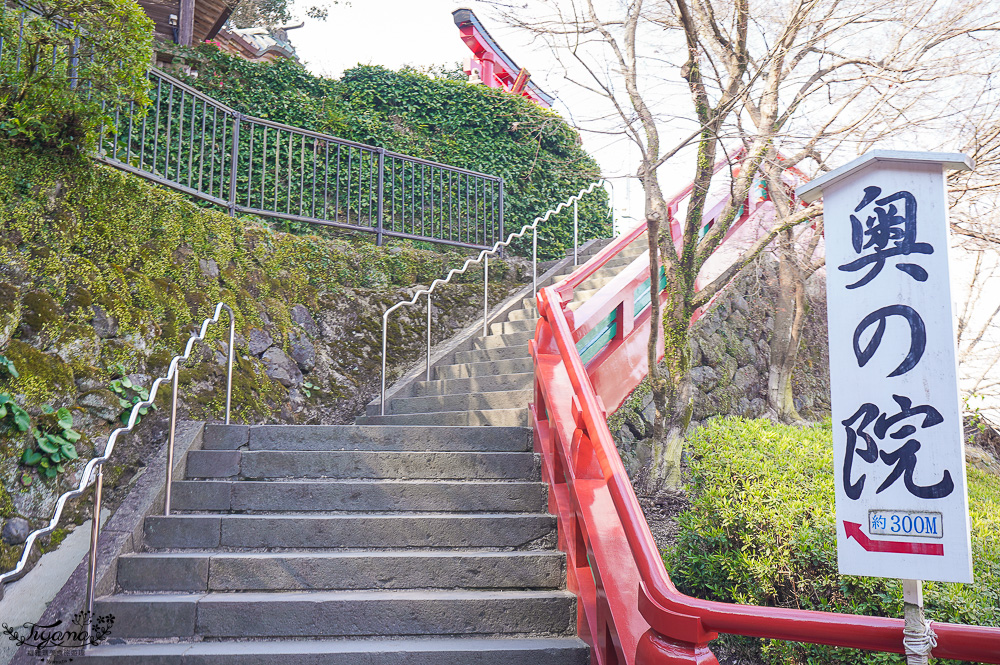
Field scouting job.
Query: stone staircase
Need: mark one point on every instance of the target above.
(488, 380)
(414, 538)
(347, 544)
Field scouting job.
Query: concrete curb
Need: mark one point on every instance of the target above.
(121, 534)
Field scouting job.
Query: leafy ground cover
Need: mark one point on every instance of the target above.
(760, 530)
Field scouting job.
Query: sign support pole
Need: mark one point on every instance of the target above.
(918, 637)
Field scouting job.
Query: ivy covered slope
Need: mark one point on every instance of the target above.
(761, 530)
(103, 277)
(449, 121)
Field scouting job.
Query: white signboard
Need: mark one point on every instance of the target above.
(899, 464)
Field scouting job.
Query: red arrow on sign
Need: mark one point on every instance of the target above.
(853, 530)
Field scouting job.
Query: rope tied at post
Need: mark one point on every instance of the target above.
(919, 639)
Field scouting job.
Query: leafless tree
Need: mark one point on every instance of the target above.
(789, 83)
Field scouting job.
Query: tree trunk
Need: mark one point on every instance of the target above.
(675, 399)
(788, 319)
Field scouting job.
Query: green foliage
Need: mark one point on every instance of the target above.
(308, 388)
(435, 118)
(13, 415)
(129, 395)
(7, 366)
(55, 441)
(761, 530)
(87, 235)
(67, 67)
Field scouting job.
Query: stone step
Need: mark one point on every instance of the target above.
(485, 355)
(504, 327)
(474, 401)
(363, 530)
(493, 418)
(382, 569)
(398, 465)
(418, 651)
(341, 613)
(623, 258)
(499, 341)
(487, 368)
(527, 313)
(249, 496)
(366, 437)
(475, 384)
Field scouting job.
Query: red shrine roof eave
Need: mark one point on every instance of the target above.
(485, 49)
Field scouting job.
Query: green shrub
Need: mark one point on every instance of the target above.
(65, 68)
(761, 530)
(435, 118)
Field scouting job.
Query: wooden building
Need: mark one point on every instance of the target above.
(186, 22)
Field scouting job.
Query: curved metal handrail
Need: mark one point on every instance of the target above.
(93, 471)
(484, 259)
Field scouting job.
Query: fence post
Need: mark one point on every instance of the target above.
(381, 188)
(232, 164)
(502, 236)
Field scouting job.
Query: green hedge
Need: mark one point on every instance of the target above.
(761, 530)
(449, 121)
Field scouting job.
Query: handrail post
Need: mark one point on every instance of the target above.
(170, 440)
(94, 532)
(229, 364)
(534, 262)
(428, 336)
(232, 163)
(378, 232)
(385, 324)
(486, 290)
(576, 235)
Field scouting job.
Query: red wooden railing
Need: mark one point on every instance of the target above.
(628, 609)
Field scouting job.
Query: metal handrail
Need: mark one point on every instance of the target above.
(94, 470)
(484, 259)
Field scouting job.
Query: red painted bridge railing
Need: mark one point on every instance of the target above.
(628, 609)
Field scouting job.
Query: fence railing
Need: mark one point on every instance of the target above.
(630, 611)
(193, 143)
(93, 472)
(484, 259)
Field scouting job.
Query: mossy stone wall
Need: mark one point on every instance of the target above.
(103, 276)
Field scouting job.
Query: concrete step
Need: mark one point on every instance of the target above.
(342, 613)
(365, 437)
(397, 465)
(484, 355)
(248, 496)
(381, 569)
(475, 384)
(494, 418)
(474, 401)
(500, 341)
(418, 651)
(504, 327)
(487, 368)
(363, 530)
(528, 313)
